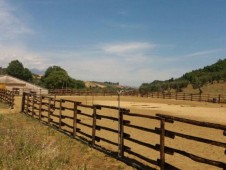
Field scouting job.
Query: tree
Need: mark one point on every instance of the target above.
(52, 69)
(198, 83)
(56, 77)
(56, 80)
(16, 69)
(27, 75)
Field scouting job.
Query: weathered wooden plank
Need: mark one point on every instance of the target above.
(106, 140)
(142, 128)
(140, 143)
(107, 117)
(84, 124)
(142, 116)
(208, 141)
(65, 124)
(98, 127)
(198, 159)
(84, 114)
(84, 134)
(86, 106)
(66, 117)
(194, 122)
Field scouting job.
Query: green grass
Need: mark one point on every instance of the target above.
(27, 144)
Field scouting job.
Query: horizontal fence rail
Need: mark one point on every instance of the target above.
(112, 131)
(7, 97)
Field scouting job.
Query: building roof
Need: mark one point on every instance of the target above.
(10, 81)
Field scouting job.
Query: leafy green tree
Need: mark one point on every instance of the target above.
(56, 78)
(52, 69)
(27, 75)
(16, 69)
(198, 83)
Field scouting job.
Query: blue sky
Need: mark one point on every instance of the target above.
(126, 41)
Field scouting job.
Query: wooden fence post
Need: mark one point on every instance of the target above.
(162, 144)
(60, 114)
(219, 98)
(33, 105)
(27, 101)
(40, 107)
(49, 102)
(94, 125)
(120, 134)
(75, 119)
(23, 102)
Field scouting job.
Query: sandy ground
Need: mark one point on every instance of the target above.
(208, 112)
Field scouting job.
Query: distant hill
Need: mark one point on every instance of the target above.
(104, 85)
(197, 79)
(37, 71)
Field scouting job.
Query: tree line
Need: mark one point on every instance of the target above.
(54, 77)
(197, 78)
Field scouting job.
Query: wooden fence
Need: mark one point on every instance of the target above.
(7, 97)
(214, 98)
(111, 130)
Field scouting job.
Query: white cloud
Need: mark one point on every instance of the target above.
(28, 58)
(130, 47)
(206, 52)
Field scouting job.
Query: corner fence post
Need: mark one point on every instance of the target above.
(162, 144)
(23, 102)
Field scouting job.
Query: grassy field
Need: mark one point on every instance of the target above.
(28, 144)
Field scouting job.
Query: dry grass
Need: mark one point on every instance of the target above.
(27, 144)
(215, 88)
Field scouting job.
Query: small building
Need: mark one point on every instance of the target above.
(19, 86)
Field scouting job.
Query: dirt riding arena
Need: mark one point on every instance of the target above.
(201, 111)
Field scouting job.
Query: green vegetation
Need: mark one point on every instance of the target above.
(197, 78)
(16, 69)
(56, 78)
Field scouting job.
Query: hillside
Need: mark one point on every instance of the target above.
(104, 85)
(209, 79)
